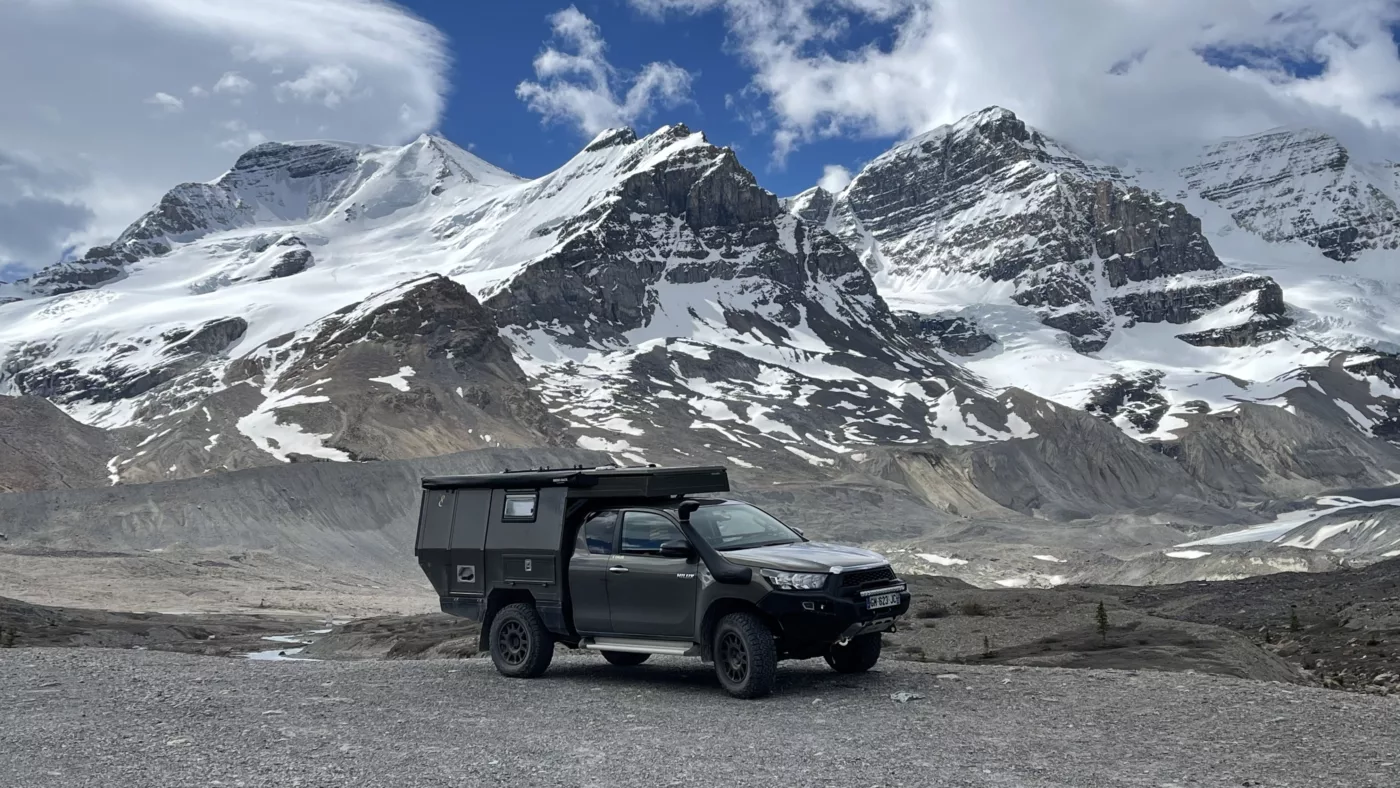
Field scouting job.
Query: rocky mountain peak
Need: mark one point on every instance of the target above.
(995, 124)
(610, 137)
(997, 134)
(299, 160)
(813, 205)
(991, 197)
(1301, 185)
(277, 183)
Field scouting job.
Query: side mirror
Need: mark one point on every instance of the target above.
(677, 548)
(798, 531)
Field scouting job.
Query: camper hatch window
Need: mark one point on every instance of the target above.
(520, 506)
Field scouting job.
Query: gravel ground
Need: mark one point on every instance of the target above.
(119, 718)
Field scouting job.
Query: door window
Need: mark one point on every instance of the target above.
(597, 534)
(643, 533)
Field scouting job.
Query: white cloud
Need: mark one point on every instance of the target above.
(834, 178)
(581, 88)
(166, 102)
(233, 82)
(325, 84)
(242, 138)
(1104, 74)
(95, 154)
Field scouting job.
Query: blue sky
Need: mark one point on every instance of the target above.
(494, 44)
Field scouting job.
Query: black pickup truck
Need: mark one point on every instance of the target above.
(632, 562)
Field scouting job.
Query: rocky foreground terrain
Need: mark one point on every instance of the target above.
(141, 719)
(1339, 629)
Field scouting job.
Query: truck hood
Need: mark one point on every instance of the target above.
(804, 557)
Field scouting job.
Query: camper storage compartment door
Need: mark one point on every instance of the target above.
(434, 537)
(469, 519)
(523, 543)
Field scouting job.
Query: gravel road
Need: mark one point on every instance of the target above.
(143, 719)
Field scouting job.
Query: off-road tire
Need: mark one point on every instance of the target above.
(521, 647)
(858, 656)
(625, 659)
(746, 658)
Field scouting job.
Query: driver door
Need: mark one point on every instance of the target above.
(650, 595)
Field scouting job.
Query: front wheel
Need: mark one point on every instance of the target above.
(625, 659)
(858, 656)
(746, 658)
(521, 647)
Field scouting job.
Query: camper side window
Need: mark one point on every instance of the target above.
(520, 506)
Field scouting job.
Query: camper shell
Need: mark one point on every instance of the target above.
(556, 548)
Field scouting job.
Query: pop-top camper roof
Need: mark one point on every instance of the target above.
(603, 482)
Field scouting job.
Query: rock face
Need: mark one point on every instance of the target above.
(41, 447)
(1069, 466)
(956, 335)
(686, 317)
(129, 368)
(813, 205)
(1263, 452)
(1260, 329)
(992, 197)
(419, 371)
(1300, 185)
(1136, 400)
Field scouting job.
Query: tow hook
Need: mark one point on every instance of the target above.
(843, 642)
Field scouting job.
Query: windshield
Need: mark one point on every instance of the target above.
(732, 526)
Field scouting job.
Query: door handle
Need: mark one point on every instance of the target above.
(617, 569)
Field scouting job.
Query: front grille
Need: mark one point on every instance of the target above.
(862, 577)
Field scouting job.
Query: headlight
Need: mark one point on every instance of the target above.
(794, 581)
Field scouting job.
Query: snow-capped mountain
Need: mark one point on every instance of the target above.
(1154, 298)
(1065, 341)
(336, 302)
(991, 198)
(1301, 185)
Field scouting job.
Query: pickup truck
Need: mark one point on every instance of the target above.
(637, 561)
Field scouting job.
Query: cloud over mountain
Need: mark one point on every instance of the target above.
(91, 145)
(1095, 72)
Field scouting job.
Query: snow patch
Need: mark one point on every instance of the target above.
(281, 439)
(934, 558)
(399, 380)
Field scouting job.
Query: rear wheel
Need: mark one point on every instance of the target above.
(858, 656)
(625, 659)
(521, 647)
(746, 658)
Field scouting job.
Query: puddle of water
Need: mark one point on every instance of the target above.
(280, 655)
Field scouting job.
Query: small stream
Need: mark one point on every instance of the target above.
(298, 643)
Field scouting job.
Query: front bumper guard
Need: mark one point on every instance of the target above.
(865, 628)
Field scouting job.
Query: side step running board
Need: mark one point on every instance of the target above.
(672, 648)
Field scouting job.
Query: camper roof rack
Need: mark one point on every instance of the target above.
(609, 481)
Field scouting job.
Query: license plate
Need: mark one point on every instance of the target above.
(882, 600)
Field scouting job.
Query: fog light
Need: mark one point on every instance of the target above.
(808, 606)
